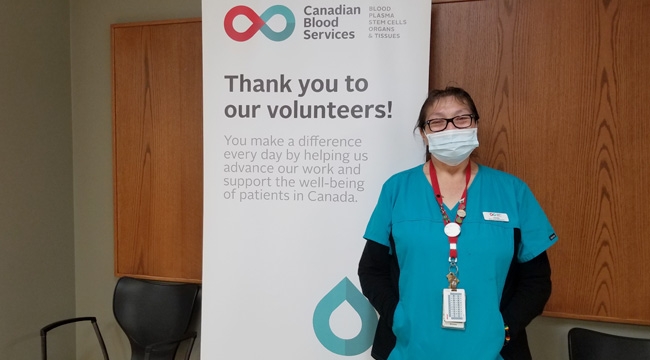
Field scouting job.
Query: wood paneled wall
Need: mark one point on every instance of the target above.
(563, 90)
(158, 149)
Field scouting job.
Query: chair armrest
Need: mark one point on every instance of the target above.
(190, 335)
(56, 324)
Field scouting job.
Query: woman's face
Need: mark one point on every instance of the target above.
(440, 111)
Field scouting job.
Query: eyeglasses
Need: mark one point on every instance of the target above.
(460, 122)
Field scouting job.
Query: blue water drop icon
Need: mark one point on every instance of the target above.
(345, 291)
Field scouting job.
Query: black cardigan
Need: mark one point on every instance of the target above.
(526, 291)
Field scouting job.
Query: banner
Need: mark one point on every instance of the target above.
(308, 109)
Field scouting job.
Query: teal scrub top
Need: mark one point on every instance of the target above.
(407, 209)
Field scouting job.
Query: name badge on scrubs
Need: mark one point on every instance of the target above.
(495, 216)
(453, 309)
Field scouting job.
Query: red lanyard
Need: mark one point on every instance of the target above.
(452, 229)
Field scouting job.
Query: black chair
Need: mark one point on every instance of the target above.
(155, 316)
(585, 344)
(54, 325)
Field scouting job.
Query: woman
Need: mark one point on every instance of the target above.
(440, 245)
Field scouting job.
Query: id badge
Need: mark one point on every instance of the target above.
(453, 309)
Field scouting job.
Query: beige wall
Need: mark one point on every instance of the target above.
(36, 211)
(92, 148)
(56, 220)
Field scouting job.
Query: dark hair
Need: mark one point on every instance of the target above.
(437, 94)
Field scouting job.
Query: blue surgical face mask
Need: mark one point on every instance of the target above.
(452, 147)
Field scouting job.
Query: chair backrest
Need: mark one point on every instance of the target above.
(585, 344)
(152, 312)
